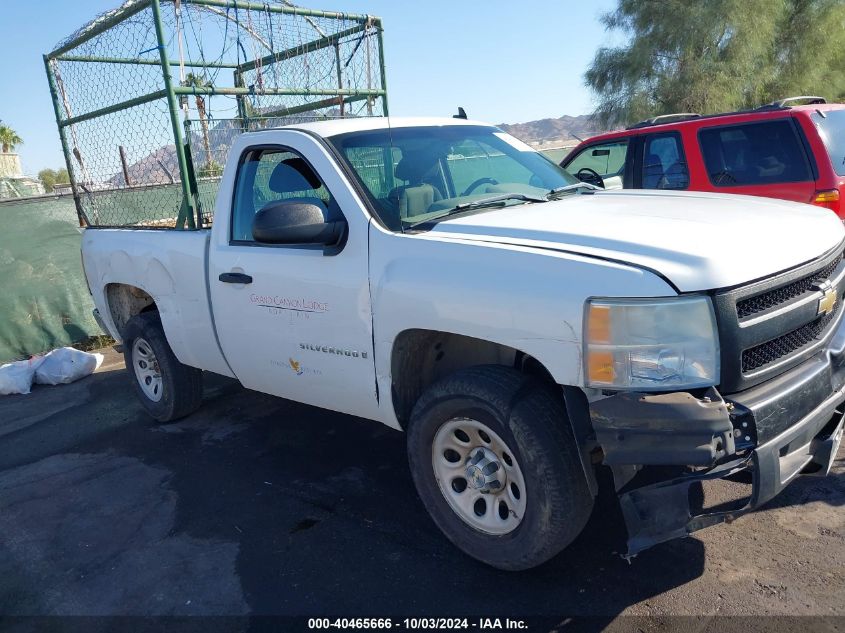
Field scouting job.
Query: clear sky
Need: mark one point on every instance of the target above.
(504, 61)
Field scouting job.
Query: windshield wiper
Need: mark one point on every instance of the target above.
(575, 185)
(498, 200)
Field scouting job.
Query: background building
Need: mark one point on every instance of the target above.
(13, 183)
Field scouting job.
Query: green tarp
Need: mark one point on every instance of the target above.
(44, 301)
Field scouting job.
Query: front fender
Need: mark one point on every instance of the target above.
(529, 299)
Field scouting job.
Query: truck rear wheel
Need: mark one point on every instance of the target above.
(496, 465)
(167, 389)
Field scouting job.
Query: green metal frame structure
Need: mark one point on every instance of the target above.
(175, 94)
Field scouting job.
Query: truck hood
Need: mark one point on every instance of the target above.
(699, 241)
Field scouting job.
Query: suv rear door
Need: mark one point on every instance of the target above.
(758, 158)
(661, 162)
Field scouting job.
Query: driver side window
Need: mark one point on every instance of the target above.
(269, 175)
(606, 159)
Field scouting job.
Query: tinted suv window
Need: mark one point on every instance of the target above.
(832, 130)
(606, 159)
(754, 154)
(664, 165)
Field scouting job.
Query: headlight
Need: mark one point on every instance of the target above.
(651, 344)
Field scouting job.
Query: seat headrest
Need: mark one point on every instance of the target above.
(653, 160)
(292, 175)
(415, 164)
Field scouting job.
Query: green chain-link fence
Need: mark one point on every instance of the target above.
(149, 96)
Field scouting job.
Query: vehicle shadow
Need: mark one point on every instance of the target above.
(326, 515)
(317, 508)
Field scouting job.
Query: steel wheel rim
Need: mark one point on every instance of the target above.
(147, 370)
(456, 464)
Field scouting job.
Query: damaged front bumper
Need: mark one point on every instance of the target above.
(789, 426)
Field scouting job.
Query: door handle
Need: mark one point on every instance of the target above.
(235, 278)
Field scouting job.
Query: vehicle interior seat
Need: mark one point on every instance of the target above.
(293, 175)
(415, 198)
(291, 179)
(676, 177)
(652, 172)
(770, 167)
(294, 180)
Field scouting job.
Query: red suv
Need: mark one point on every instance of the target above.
(780, 150)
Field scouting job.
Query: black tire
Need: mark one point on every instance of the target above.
(181, 385)
(532, 421)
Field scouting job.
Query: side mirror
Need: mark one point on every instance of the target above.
(296, 222)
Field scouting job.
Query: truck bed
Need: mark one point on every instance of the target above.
(170, 267)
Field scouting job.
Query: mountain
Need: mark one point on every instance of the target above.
(160, 167)
(566, 129)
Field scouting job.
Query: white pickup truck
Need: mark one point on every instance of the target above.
(522, 328)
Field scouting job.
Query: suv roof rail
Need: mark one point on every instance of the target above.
(784, 103)
(665, 118)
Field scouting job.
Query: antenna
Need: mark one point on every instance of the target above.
(461, 114)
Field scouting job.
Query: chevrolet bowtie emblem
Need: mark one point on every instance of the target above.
(828, 301)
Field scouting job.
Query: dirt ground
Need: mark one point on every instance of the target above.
(257, 506)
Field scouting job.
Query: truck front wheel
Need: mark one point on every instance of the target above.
(496, 465)
(167, 389)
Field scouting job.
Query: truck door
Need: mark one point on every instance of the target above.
(293, 320)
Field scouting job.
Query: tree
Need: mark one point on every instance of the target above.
(51, 177)
(715, 56)
(9, 139)
(195, 81)
(212, 169)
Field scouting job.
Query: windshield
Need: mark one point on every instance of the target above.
(414, 174)
(832, 130)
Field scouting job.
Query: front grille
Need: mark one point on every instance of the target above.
(778, 296)
(771, 325)
(791, 342)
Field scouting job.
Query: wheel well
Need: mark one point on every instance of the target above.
(421, 357)
(126, 301)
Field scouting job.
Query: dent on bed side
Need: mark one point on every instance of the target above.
(131, 286)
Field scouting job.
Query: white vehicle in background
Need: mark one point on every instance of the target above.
(523, 328)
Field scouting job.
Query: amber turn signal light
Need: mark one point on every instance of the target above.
(828, 198)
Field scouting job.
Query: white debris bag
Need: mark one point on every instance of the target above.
(17, 377)
(65, 365)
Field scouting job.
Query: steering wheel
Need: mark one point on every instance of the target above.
(590, 176)
(481, 181)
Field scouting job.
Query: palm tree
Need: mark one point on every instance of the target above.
(9, 138)
(195, 81)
